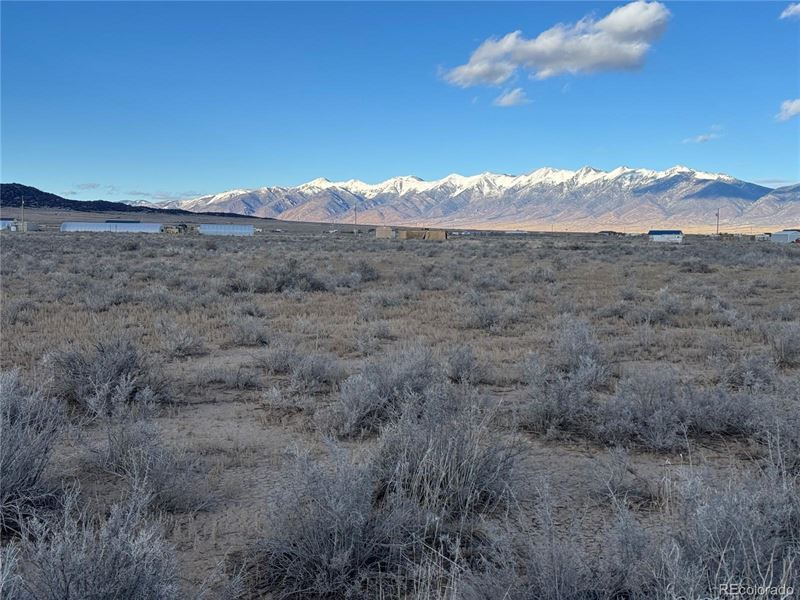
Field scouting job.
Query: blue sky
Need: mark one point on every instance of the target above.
(126, 101)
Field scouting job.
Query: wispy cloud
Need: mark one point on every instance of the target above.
(789, 109)
(776, 182)
(163, 196)
(791, 11)
(513, 97)
(715, 132)
(618, 41)
(93, 186)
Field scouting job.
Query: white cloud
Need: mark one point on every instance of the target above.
(714, 134)
(789, 109)
(618, 41)
(793, 10)
(701, 139)
(513, 97)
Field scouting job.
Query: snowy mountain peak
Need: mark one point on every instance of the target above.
(585, 198)
(683, 170)
(548, 175)
(677, 170)
(586, 175)
(318, 183)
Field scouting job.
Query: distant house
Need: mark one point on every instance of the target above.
(422, 234)
(391, 233)
(385, 233)
(673, 236)
(610, 233)
(787, 236)
(7, 223)
(178, 228)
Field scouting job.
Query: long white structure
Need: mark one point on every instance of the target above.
(672, 236)
(132, 227)
(787, 236)
(225, 229)
(78, 226)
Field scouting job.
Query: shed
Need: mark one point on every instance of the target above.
(385, 233)
(422, 234)
(225, 229)
(787, 236)
(674, 236)
(7, 224)
(178, 228)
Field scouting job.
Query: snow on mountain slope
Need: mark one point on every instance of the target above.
(588, 198)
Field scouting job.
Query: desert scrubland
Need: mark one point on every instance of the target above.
(335, 416)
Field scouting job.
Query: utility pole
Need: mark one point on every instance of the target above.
(22, 216)
(718, 221)
(355, 218)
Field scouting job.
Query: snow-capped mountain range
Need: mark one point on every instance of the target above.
(584, 200)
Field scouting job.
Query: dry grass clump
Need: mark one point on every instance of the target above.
(462, 366)
(655, 411)
(288, 276)
(316, 371)
(739, 532)
(174, 481)
(247, 331)
(79, 555)
(784, 341)
(557, 401)
(742, 532)
(368, 400)
(131, 447)
(364, 528)
(279, 357)
(480, 311)
(750, 372)
(329, 540)
(178, 342)
(29, 426)
(560, 387)
(445, 456)
(574, 345)
(651, 410)
(87, 378)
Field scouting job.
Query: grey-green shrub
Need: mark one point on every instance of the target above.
(76, 555)
(88, 377)
(29, 426)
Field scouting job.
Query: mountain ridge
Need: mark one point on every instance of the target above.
(584, 199)
(12, 195)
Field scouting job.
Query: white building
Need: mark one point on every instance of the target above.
(225, 229)
(110, 226)
(787, 236)
(673, 236)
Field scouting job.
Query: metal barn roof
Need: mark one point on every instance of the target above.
(118, 227)
(665, 232)
(225, 229)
